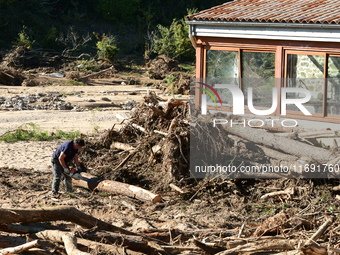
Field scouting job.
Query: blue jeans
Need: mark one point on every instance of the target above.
(58, 175)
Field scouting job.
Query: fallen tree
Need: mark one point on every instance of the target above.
(91, 182)
(65, 213)
(60, 237)
(284, 144)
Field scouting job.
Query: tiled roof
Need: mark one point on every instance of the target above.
(283, 11)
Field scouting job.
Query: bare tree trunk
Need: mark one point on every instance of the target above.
(92, 182)
(57, 213)
(20, 248)
(136, 243)
(284, 144)
(57, 236)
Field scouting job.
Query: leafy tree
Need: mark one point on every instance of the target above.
(106, 47)
(173, 41)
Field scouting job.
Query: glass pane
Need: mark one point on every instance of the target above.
(333, 86)
(258, 72)
(222, 68)
(222, 64)
(306, 71)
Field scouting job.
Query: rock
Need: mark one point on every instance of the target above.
(129, 105)
(106, 99)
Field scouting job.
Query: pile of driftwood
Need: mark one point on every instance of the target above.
(80, 233)
(22, 57)
(153, 143)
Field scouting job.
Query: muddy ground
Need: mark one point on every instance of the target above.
(205, 205)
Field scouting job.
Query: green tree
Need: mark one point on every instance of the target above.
(106, 47)
(173, 41)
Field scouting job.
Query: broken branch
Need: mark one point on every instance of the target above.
(20, 248)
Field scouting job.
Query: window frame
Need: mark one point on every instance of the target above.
(281, 51)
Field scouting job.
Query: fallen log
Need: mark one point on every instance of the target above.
(167, 235)
(97, 74)
(272, 224)
(65, 213)
(91, 182)
(210, 250)
(20, 248)
(136, 243)
(284, 144)
(70, 245)
(262, 246)
(20, 229)
(57, 236)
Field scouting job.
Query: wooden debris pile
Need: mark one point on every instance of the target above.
(292, 226)
(154, 142)
(22, 57)
(9, 76)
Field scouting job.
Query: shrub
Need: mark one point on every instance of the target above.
(106, 47)
(173, 41)
(24, 40)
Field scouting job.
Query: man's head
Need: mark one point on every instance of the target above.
(79, 142)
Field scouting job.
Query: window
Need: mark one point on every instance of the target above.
(320, 74)
(222, 68)
(306, 71)
(333, 85)
(256, 70)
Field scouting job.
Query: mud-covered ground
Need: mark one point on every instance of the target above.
(211, 210)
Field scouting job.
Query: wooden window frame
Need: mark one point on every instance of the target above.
(280, 51)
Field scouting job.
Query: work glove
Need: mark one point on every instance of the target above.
(66, 170)
(75, 174)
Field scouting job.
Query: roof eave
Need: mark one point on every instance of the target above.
(266, 30)
(261, 24)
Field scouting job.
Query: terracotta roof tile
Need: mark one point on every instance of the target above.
(284, 11)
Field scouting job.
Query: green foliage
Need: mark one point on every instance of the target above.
(76, 83)
(24, 40)
(170, 80)
(106, 47)
(173, 41)
(129, 20)
(32, 132)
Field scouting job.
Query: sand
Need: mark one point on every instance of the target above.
(37, 155)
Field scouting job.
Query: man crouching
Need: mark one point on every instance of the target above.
(62, 156)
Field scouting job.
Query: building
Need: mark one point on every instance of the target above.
(267, 44)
